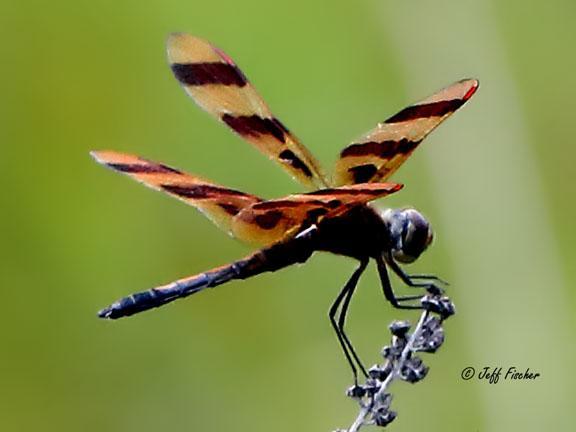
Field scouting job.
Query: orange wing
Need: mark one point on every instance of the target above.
(377, 155)
(270, 221)
(218, 86)
(218, 203)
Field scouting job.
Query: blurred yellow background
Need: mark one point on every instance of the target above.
(497, 182)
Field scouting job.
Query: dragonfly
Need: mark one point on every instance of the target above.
(336, 214)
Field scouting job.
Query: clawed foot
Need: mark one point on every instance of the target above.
(428, 277)
(432, 284)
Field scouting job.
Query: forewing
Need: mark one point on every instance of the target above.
(218, 86)
(218, 203)
(377, 155)
(270, 221)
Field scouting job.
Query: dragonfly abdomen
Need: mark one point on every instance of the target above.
(159, 296)
(269, 259)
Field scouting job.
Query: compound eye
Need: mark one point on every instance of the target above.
(410, 233)
(416, 236)
(400, 256)
(430, 237)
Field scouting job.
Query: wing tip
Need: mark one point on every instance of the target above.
(474, 84)
(183, 47)
(374, 186)
(173, 43)
(388, 187)
(105, 157)
(110, 157)
(177, 37)
(396, 187)
(98, 155)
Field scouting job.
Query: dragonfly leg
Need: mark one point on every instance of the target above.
(344, 312)
(431, 283)
(389, 293)
(340, 309)
(429, 277)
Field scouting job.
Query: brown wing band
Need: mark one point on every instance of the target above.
(198, 74)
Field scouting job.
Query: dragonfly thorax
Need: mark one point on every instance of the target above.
(410, 233)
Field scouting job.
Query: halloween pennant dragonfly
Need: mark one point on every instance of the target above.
(336, 217)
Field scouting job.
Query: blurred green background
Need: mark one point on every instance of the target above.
(497, 181)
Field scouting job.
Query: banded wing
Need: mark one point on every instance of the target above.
(377, 155)
(218, 86)
(271, 221)
(218, 203)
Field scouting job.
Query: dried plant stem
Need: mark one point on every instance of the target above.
(367, 408)
(402, 362)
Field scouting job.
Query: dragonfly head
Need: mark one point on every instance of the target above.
(410, 233)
